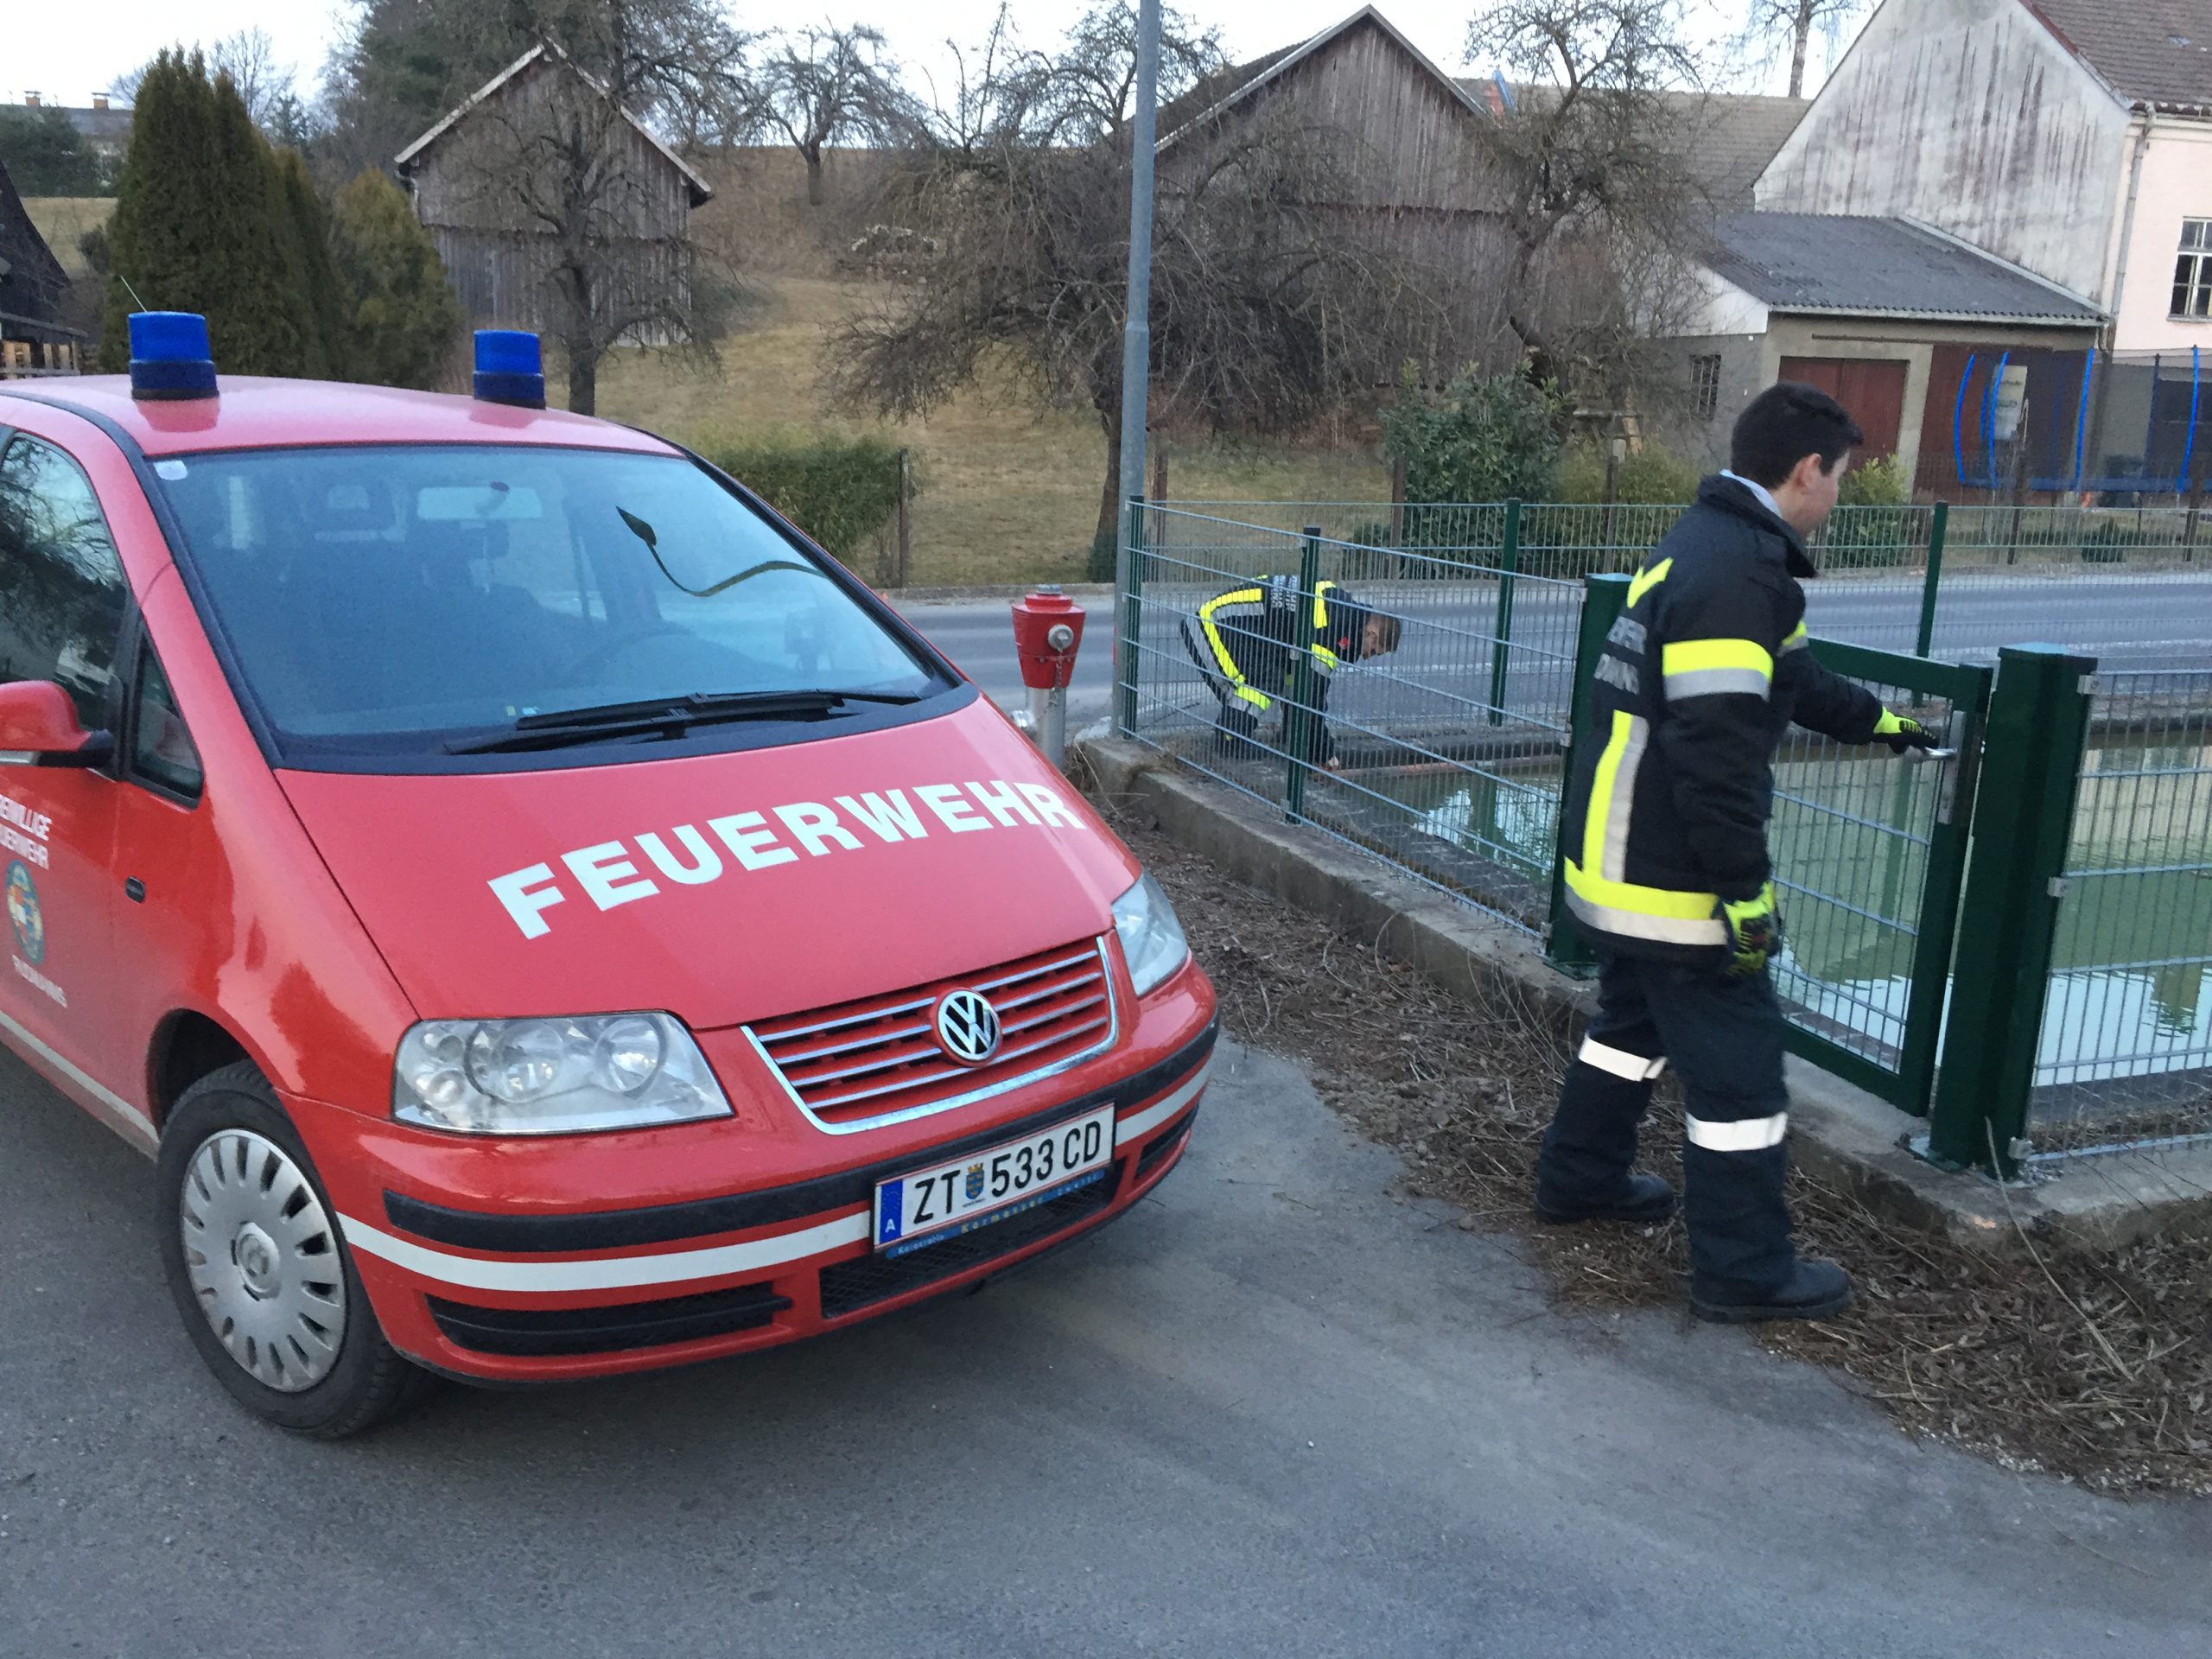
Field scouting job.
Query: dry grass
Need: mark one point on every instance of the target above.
(1009, 486)
(62, 219)
(2097, 1367)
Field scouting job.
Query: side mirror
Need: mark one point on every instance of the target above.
(38, 727)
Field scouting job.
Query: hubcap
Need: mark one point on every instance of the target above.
(262, 1260)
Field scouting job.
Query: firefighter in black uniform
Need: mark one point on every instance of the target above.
(1667, 868)
(1246, 642)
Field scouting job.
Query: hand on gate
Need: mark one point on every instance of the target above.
(1901, 731)
(1754, 932)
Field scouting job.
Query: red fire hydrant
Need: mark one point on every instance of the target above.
(1048, 632)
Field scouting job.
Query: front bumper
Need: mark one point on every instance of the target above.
(512, 1290)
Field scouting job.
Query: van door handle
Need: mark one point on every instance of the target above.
(134, 890)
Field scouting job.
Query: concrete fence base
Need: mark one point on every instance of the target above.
(1842, 1134)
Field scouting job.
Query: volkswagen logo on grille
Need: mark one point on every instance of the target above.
(968, 1026)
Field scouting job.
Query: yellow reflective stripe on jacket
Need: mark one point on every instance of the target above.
(1797, 641)
(1647, 579)
(1704, 668)
(1328, 659)
(1660, 914)
(1222, 655)
(1596, 891)
(1612, 795)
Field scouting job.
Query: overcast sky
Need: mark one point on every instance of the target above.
(67, 49)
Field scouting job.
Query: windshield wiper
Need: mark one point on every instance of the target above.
(667, 717)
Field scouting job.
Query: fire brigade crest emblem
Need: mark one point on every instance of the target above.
(25, 916)
(974, 1182)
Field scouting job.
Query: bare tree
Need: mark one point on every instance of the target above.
(819, 85)
(1023, 180)
(248, 57)
(556, 165)
(1772, 22)
(1596, 170)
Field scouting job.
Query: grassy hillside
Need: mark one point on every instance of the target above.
(62, 219)
(1009, 487)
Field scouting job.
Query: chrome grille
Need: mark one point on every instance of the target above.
(877, 1060)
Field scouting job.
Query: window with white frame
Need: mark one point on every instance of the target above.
(2193, 273)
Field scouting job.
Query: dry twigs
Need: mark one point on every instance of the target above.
(2097, 1367)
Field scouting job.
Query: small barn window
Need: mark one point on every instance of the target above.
(2193, 274)
(1705, 386)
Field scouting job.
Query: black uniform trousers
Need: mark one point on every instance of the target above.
(1724, 1037)
(1237, 729)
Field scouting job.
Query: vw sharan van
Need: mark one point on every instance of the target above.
(545, 915)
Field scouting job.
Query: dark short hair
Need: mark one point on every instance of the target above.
(1785, 423)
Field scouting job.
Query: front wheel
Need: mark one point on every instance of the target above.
(260, 1272)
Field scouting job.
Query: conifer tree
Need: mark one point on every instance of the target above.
(406, 319)
(200, 225)
(324, 300)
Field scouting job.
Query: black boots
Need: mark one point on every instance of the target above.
(1646, 1198)
(1815, 1290)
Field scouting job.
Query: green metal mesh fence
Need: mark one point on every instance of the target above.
(2124, 1057)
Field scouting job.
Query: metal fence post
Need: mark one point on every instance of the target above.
(1132, 613)
(1603, 599)
(1300, 725)
(1938, 529)
(2030, 770)
(1509, 561)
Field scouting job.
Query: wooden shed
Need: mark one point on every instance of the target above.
(1410, 176)
(33, 338)
(541, 161)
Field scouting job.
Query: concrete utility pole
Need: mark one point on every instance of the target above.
(1137, 336)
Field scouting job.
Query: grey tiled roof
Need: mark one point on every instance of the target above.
(2151, 51)
(1864, 266)
(1729, 137)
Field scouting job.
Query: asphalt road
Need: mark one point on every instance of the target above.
(1277, 1411)
(2145, 621)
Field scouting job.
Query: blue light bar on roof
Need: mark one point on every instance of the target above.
(169, 356)
(510, 368)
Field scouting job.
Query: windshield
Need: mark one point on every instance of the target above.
(386, 601)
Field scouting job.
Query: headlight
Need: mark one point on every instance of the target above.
(552, 1077)
(1151, 937)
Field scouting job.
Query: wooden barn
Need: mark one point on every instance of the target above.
(1409, 168)
(542, 182)
(33, 338)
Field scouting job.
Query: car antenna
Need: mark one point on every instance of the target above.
(132, 291)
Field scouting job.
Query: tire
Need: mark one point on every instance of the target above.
(245, 1224)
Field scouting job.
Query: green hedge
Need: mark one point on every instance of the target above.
(840, 491)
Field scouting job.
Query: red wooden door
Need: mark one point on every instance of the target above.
(1872, 389)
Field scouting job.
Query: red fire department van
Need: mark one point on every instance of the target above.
(545, 915)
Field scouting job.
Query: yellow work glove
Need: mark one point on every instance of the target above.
(1754, 932)
(1901, 732)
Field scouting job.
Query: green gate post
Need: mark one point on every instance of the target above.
(1603, 599)
(1132, 608)
(1938, 527)
(1299, 724)
(1509, 561)
(2030, 771)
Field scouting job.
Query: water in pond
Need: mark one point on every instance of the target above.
(2131, 983)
